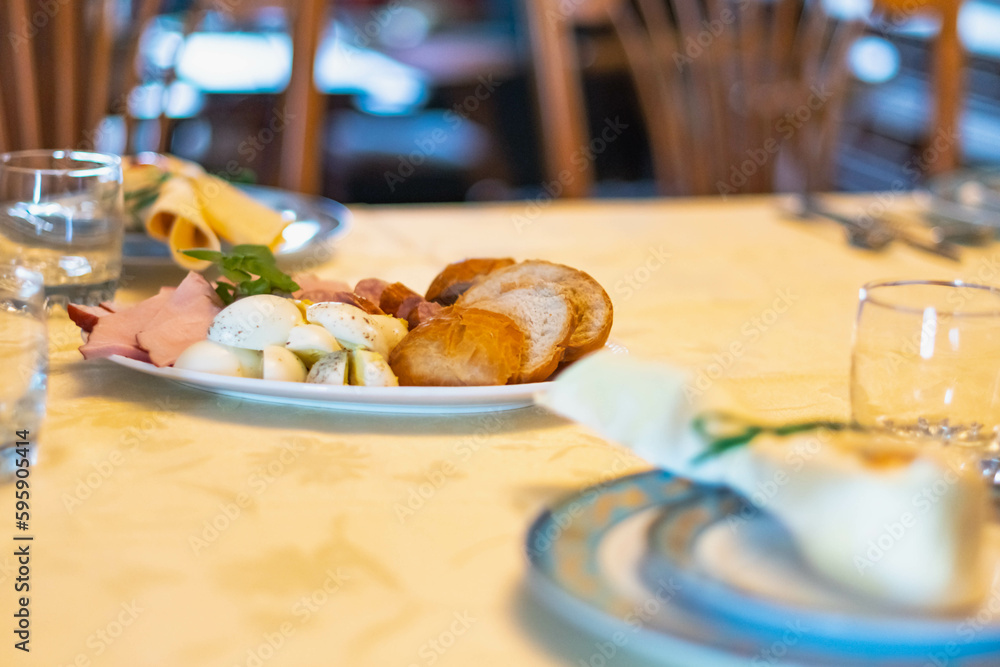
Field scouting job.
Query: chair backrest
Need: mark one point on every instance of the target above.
(734, 93)
(67, 66)
(947, 81)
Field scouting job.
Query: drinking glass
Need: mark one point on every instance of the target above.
(61, 214)
(23, 359)
(926, 360)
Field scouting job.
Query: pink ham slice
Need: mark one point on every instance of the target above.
(115, 333)
(183, 320)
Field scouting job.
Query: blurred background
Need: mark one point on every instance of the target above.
(466, 100)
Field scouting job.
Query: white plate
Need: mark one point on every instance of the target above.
(408, 400)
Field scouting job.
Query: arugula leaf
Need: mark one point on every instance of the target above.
(210, 255)
(251, 269)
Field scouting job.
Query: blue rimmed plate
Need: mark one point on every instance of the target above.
(636, 561)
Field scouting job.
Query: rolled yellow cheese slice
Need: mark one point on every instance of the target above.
(176, 218)
(235, 216)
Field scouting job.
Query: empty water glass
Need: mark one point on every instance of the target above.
(61, 214)
(926, 360)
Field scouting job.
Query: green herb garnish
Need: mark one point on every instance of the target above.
(240, 266)
(138, 199)
(724, 432)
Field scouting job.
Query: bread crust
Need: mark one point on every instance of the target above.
(452, 282)
(548, 327)
(459, 347)
(595, 312)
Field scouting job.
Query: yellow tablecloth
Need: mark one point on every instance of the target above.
(180, 528)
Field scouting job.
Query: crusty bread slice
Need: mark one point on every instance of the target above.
(542, 310)
(593, 305)
(459, 347)
(455, 278)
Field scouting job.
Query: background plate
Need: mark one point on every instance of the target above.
(970, 196)
(316, 223)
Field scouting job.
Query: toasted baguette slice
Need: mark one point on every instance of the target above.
(542, 310)
(593, 305)
(448, 285)
(459, 347)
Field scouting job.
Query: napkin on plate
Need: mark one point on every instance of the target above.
(898, 521)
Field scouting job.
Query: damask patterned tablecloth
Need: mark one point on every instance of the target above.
(175, 527)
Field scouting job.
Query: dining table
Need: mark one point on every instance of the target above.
(174, 527)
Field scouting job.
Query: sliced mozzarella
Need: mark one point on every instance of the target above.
(351, 326)
(207, 356)
(310, 342)
(370, 369)
(330, 369)
(280, 364)
(393, 330)
(255, 322)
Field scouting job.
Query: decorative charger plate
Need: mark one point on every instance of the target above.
(316, 222)
(652, 561)
(410, 400)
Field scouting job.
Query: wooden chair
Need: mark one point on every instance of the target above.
(59, 77)
(948, 60)
(715, 80)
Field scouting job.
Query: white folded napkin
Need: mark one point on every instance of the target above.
(899, 521)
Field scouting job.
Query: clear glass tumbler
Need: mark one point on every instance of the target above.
(62, 214)
(23, 359)
(926, 360)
